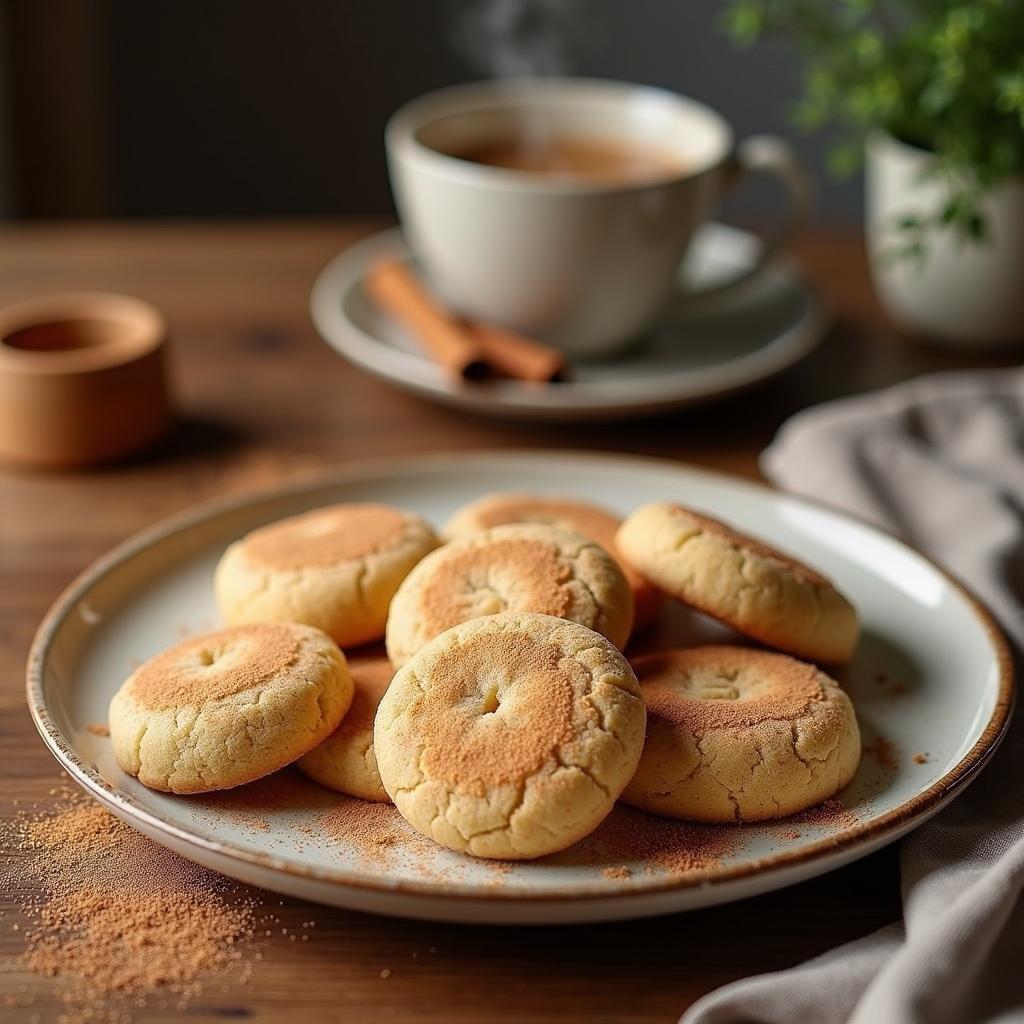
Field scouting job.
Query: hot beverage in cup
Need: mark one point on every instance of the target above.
(563, 208)
(581, 157)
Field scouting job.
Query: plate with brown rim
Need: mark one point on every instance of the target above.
(931, 683)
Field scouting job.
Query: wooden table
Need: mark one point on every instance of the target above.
(262, 398)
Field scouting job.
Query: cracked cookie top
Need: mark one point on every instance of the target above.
(336, 568)
(592, 521)
(749, 585)
(719, 687)
(520, 568)
(498, 709)
(215, 666)
(697, 523)
(327, 536)
(510, 735)
(223, 709)
(736, 734)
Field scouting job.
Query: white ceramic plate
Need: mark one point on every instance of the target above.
(718, 347)
(931, 677)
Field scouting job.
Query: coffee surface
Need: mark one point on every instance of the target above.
(585, 157)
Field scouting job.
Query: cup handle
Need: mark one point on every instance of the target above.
(774, 157)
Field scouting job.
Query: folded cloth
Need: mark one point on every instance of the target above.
(939, 461)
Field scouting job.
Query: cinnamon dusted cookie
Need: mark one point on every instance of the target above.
(511, 735)
(748, 585)
(567, 513)
(345, 761)
(521, 568)
(735, 734)
(229, 707)
(335, 568)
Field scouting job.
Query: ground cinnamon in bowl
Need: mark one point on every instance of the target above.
(118, 919)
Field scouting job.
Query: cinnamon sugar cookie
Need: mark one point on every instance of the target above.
(735, 734)
(592, 521)
(754, 588)
(335, 568)
(345, 761)
(510, 736)
(520, 568)
(229, 707)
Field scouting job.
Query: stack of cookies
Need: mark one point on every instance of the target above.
(501, 717)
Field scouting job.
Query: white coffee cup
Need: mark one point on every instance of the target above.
(583, 264)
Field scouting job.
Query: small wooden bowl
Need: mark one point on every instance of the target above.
(82, 379)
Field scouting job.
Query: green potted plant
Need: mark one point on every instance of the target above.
(932, 91)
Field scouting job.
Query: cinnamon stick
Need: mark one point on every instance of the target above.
(514, 355)
(467, 348)
(393, 287)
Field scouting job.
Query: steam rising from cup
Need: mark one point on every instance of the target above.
(512, 39)
(517, 38)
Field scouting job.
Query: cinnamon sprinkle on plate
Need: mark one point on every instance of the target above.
(884, 752)
(830, 814)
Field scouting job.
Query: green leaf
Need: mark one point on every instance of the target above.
(976, 227)
(944, 74)
(744, 22)
(950, 211)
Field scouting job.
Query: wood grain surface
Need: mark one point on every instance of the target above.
(261, 399)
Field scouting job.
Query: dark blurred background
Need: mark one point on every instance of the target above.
(213, 108)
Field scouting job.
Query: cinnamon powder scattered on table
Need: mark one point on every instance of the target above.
(120, 920)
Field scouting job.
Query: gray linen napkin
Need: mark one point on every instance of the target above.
(939, 461)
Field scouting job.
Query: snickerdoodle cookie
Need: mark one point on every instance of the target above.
(345, 760)
(526, 567)
(335, 568)
(229, 707)
(592, 521)
(754, 588)
(510, 736)
(735, 734)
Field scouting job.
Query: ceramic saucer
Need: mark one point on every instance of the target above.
(712, 348)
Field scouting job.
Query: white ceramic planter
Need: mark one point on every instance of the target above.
(961, 294)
